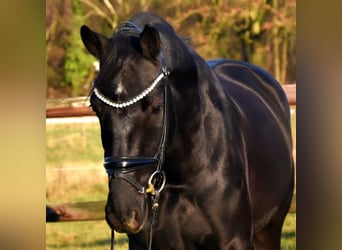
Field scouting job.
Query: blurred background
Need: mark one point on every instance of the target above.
(262, 32)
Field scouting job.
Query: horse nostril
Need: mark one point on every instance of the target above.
(132, 223)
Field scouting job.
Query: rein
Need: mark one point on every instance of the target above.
(118, 167)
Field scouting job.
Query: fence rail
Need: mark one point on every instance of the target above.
(76, 111)
(60, 112)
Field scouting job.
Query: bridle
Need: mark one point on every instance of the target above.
(118, 167)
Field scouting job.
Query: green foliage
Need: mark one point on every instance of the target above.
(262, 32)
(78, 64)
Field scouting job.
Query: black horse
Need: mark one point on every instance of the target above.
(199, 155)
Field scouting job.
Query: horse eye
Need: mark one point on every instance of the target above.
(152, 104)
(156, 105)
(156, 109)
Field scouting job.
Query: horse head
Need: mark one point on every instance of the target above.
(129, 99)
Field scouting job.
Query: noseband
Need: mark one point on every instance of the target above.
(118, 167)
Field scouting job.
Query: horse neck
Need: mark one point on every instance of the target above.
(187, 105)
(186, 91)
(190, 82)
(199, 102)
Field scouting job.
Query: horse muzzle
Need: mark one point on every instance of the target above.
(131, 223)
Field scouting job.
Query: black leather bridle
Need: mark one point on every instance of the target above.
(118, 167)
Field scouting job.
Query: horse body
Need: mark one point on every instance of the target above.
(228, 154)
(266, 138)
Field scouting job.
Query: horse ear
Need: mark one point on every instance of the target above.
(94, 42)
(150, 42)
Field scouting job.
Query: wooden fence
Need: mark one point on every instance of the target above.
(77, 111)
(94, 210)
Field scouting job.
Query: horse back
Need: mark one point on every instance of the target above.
(264, 122)
(242, 78)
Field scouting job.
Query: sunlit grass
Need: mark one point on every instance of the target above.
(82, 235)
(72, 145)
(96, 235)
(288, 240)
(74, 158)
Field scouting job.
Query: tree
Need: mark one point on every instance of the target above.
(78, 64)
(58, 15)
(262, 32)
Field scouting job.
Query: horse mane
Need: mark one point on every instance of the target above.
(127, 27)
(170, 39)
(132, 29)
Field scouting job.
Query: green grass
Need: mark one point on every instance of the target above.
(74, 157)
(288, 239)
(75, 144)
(82, 235)
(76, 150)
(96, 235)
